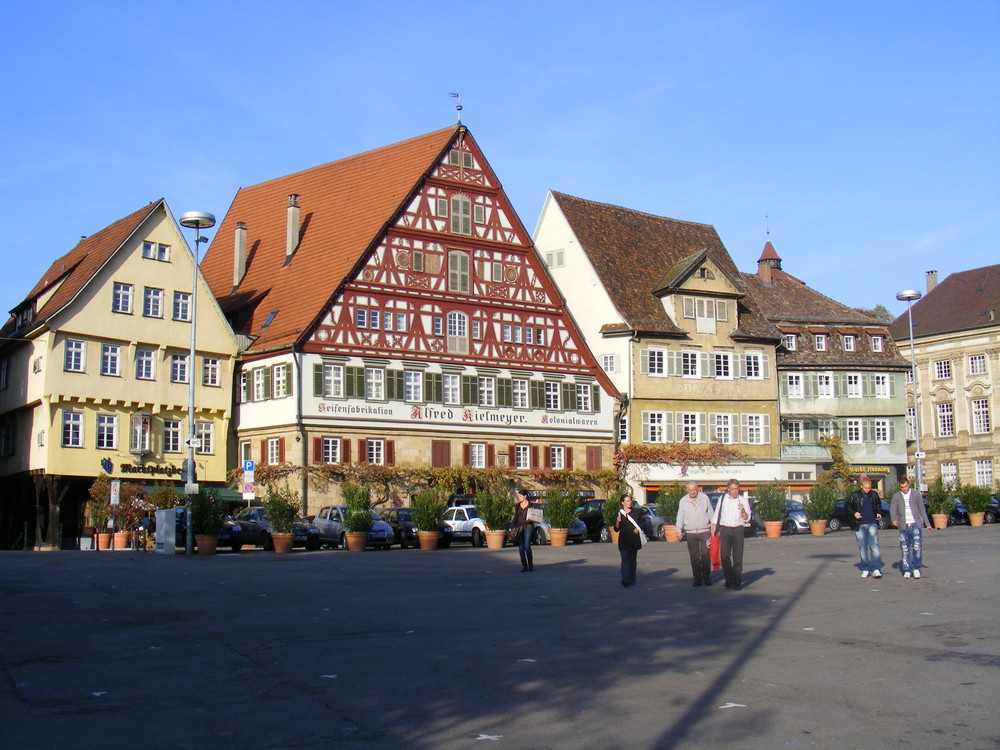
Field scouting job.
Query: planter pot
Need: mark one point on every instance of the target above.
(772, 529)
(207, 543)
(940, 520)
(282, 543)
(976, 519)
(104, 541)
(122, 540)
(818, 528)
(356, 541)
(557, 537)
(429, 539)
(614, 535)
(670, 533)
(494, 539)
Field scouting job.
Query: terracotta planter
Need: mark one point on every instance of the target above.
(282, 543)
(670, 533)
(614, 535)
(818, 528)
(429, 539)
(122, 540)
(940, 520)
(207, 544)
(976, 519)
(356, 541)
(557, 537)
(494, 539)
(104, 541)
(772, 529)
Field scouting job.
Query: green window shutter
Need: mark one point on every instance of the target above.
(433, 388)
(318, 379)
(569, 396)
(289, 384)
(537, 394)
(470, 390)
(354, 382)
(595, 397)
(394, 385)
(505, 392)
(267, 382)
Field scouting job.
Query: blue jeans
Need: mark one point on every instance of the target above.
(630, 558)
(524, 545)
(910, 543)
(871, 555)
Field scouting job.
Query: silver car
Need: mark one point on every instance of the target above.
(330, 522)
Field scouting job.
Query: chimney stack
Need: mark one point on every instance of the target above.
(239, 253)
(292, 237)
(764, 271)
(931, 280)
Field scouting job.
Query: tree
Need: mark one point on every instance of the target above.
(879, 311)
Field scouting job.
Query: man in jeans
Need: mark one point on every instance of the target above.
(908, 515)
(865, 508)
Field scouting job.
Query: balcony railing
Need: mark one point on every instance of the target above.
(805, 450)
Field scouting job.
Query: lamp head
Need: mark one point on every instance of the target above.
(197, 219)
(907, 295)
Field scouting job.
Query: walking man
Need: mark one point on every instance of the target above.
(694, 519)
(865, 507)
(908, 514)
(732, 510)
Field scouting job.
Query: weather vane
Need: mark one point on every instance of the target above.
(458, 106)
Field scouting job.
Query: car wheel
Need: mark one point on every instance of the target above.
(883, 523)
(833, 524)
(988, 517)
(477, 538)
(660, 534)
(605, 535)
(538, 536)
(402, 541)
(266, 543)
(343, 540)
(789, 527)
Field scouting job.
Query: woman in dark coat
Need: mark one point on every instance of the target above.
(525, 529)
(628, 526)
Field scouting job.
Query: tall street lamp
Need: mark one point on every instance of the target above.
(909, 295)
(197, 220)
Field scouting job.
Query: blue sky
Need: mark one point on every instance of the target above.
(867, 132)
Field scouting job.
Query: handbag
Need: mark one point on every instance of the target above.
(535, 515)
(715, 551)
(513, 534)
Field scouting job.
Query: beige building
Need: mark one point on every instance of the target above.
(956, 336)
(95, 372)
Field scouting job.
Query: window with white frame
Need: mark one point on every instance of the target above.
(852, 429)
(519, 393)
(656, 360)
(259, 383)
(244, 387)
(506, 333)
(171, 436)
(908, 378)
(279, 381)
(361, 317)
(911, 423)
(477, 329)
(374, 384)
(980, 416)
(529, 338)
(333, 380)
(825, 428)
(487, 390)
(753, 369)
(140, 429)
(793, 431)
(451, 388)
(155, 251)
(945, 420)
(152, 302)
(205, 432)
(949, 473)
(880, 383)
(331, 450)
(182, 306)
(705, 315)
(690, 426)
(145, 364)
(477, 455)
(881, 430)
(977, 364)
(942, 369)
(853, 381)
(689, 364)
(557, 457)
(848, 342)
(375, 451)
(111, 357)
(609, 362)
(555, 258)
(374, 319)
(437, 325)
(720, 428)
(178, 368)
(723, 362)
(73, 360)
(210, 371)
(121, 298)
(791, 342)
(245, 450)
(72, 429)
(583, 393)
(461, 215)
(553, 395)
(107, 431)
(819, 342)
(458, 271)
(654, 427)
(413, 386)
(522, 456)
(794, 383)
(273, 452)
(984, 472)
(755, 429)
(458, 333)
(876, 343)
(824, 385)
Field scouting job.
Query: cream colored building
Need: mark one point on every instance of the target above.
(956, 334)
(94, 376)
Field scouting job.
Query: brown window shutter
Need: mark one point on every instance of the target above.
(362, 451)
(345, 451)
(390, 452)
(491, 454)
(593, 458)
(534, 457)
(466, 454)
(318, 450)
(281, 450)
(548, 456)
(569, 458)
(511, 454)
(440, 453)
(263, 451)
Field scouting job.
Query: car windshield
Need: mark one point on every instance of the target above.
(794, 505)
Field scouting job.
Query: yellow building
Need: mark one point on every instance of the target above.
(95, 373)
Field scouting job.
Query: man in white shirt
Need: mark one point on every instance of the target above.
(732, 510)
(908, 514)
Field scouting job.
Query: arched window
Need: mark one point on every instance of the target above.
(458, 271)
(458, 333)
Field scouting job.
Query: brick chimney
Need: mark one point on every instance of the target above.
(239, 253)
(931, 280)
(292, 236)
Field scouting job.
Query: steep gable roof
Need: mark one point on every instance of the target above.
(965, 301)
(634, 252)
(71, 272)
(345, 206)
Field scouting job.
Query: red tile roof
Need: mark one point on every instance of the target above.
(345, 206)
(965, 301)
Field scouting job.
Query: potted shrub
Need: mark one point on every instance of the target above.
(560, 512)
(770, 506)
(357, 515)
(99, 509)
(668, 502)
(939, 504)
(610, 509)
(207, 514)
(495, 506)
(819, 508)
(427, 511)
(281, 506)
(976, 500)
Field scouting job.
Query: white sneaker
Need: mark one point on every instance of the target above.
(865, 573)
(877, 574)
(907, 574)
(916, 574)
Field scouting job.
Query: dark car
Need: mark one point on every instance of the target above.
(257, 530)
(405, 532)
(841, 517)
(992, 512)
(230, 532)
(592, 515)
(652, 524)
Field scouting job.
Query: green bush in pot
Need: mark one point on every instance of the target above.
(614, 504)
(668, 502)
(938, 498)
(428, 508)
(770, 505)
(560, 508)
(819, 504)
(281, 505)
(206, 513)
(975, 499)
(358, 508)
(495, 504)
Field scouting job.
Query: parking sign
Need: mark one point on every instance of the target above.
(248, 465)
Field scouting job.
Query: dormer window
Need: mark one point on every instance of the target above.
(791, 342)
(820, 342)
(876, 343)
(848, 342)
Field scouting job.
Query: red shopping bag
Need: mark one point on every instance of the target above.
(715, 552)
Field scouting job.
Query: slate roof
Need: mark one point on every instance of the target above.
(74, 269)
(345, 206)
(964, 301)
(635, 253)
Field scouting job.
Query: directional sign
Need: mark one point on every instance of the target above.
(193, 442)
(921, 454)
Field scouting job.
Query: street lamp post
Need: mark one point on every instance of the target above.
(197, 220)
(909, 295)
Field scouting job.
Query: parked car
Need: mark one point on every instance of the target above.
(751, 527)
(959, 515)
(841, 517)
(230, 532)
(329, 523)
(257, 530)
(652, 524)
(796, 520)
(992, 512)
(405, 533)
(466, 525)
(577, 532)
(592, 515)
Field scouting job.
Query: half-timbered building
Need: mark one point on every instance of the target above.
(394, 311)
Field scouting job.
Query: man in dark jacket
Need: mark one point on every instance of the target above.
(865, 508)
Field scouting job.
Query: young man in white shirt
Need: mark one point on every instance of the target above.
(908, 514)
